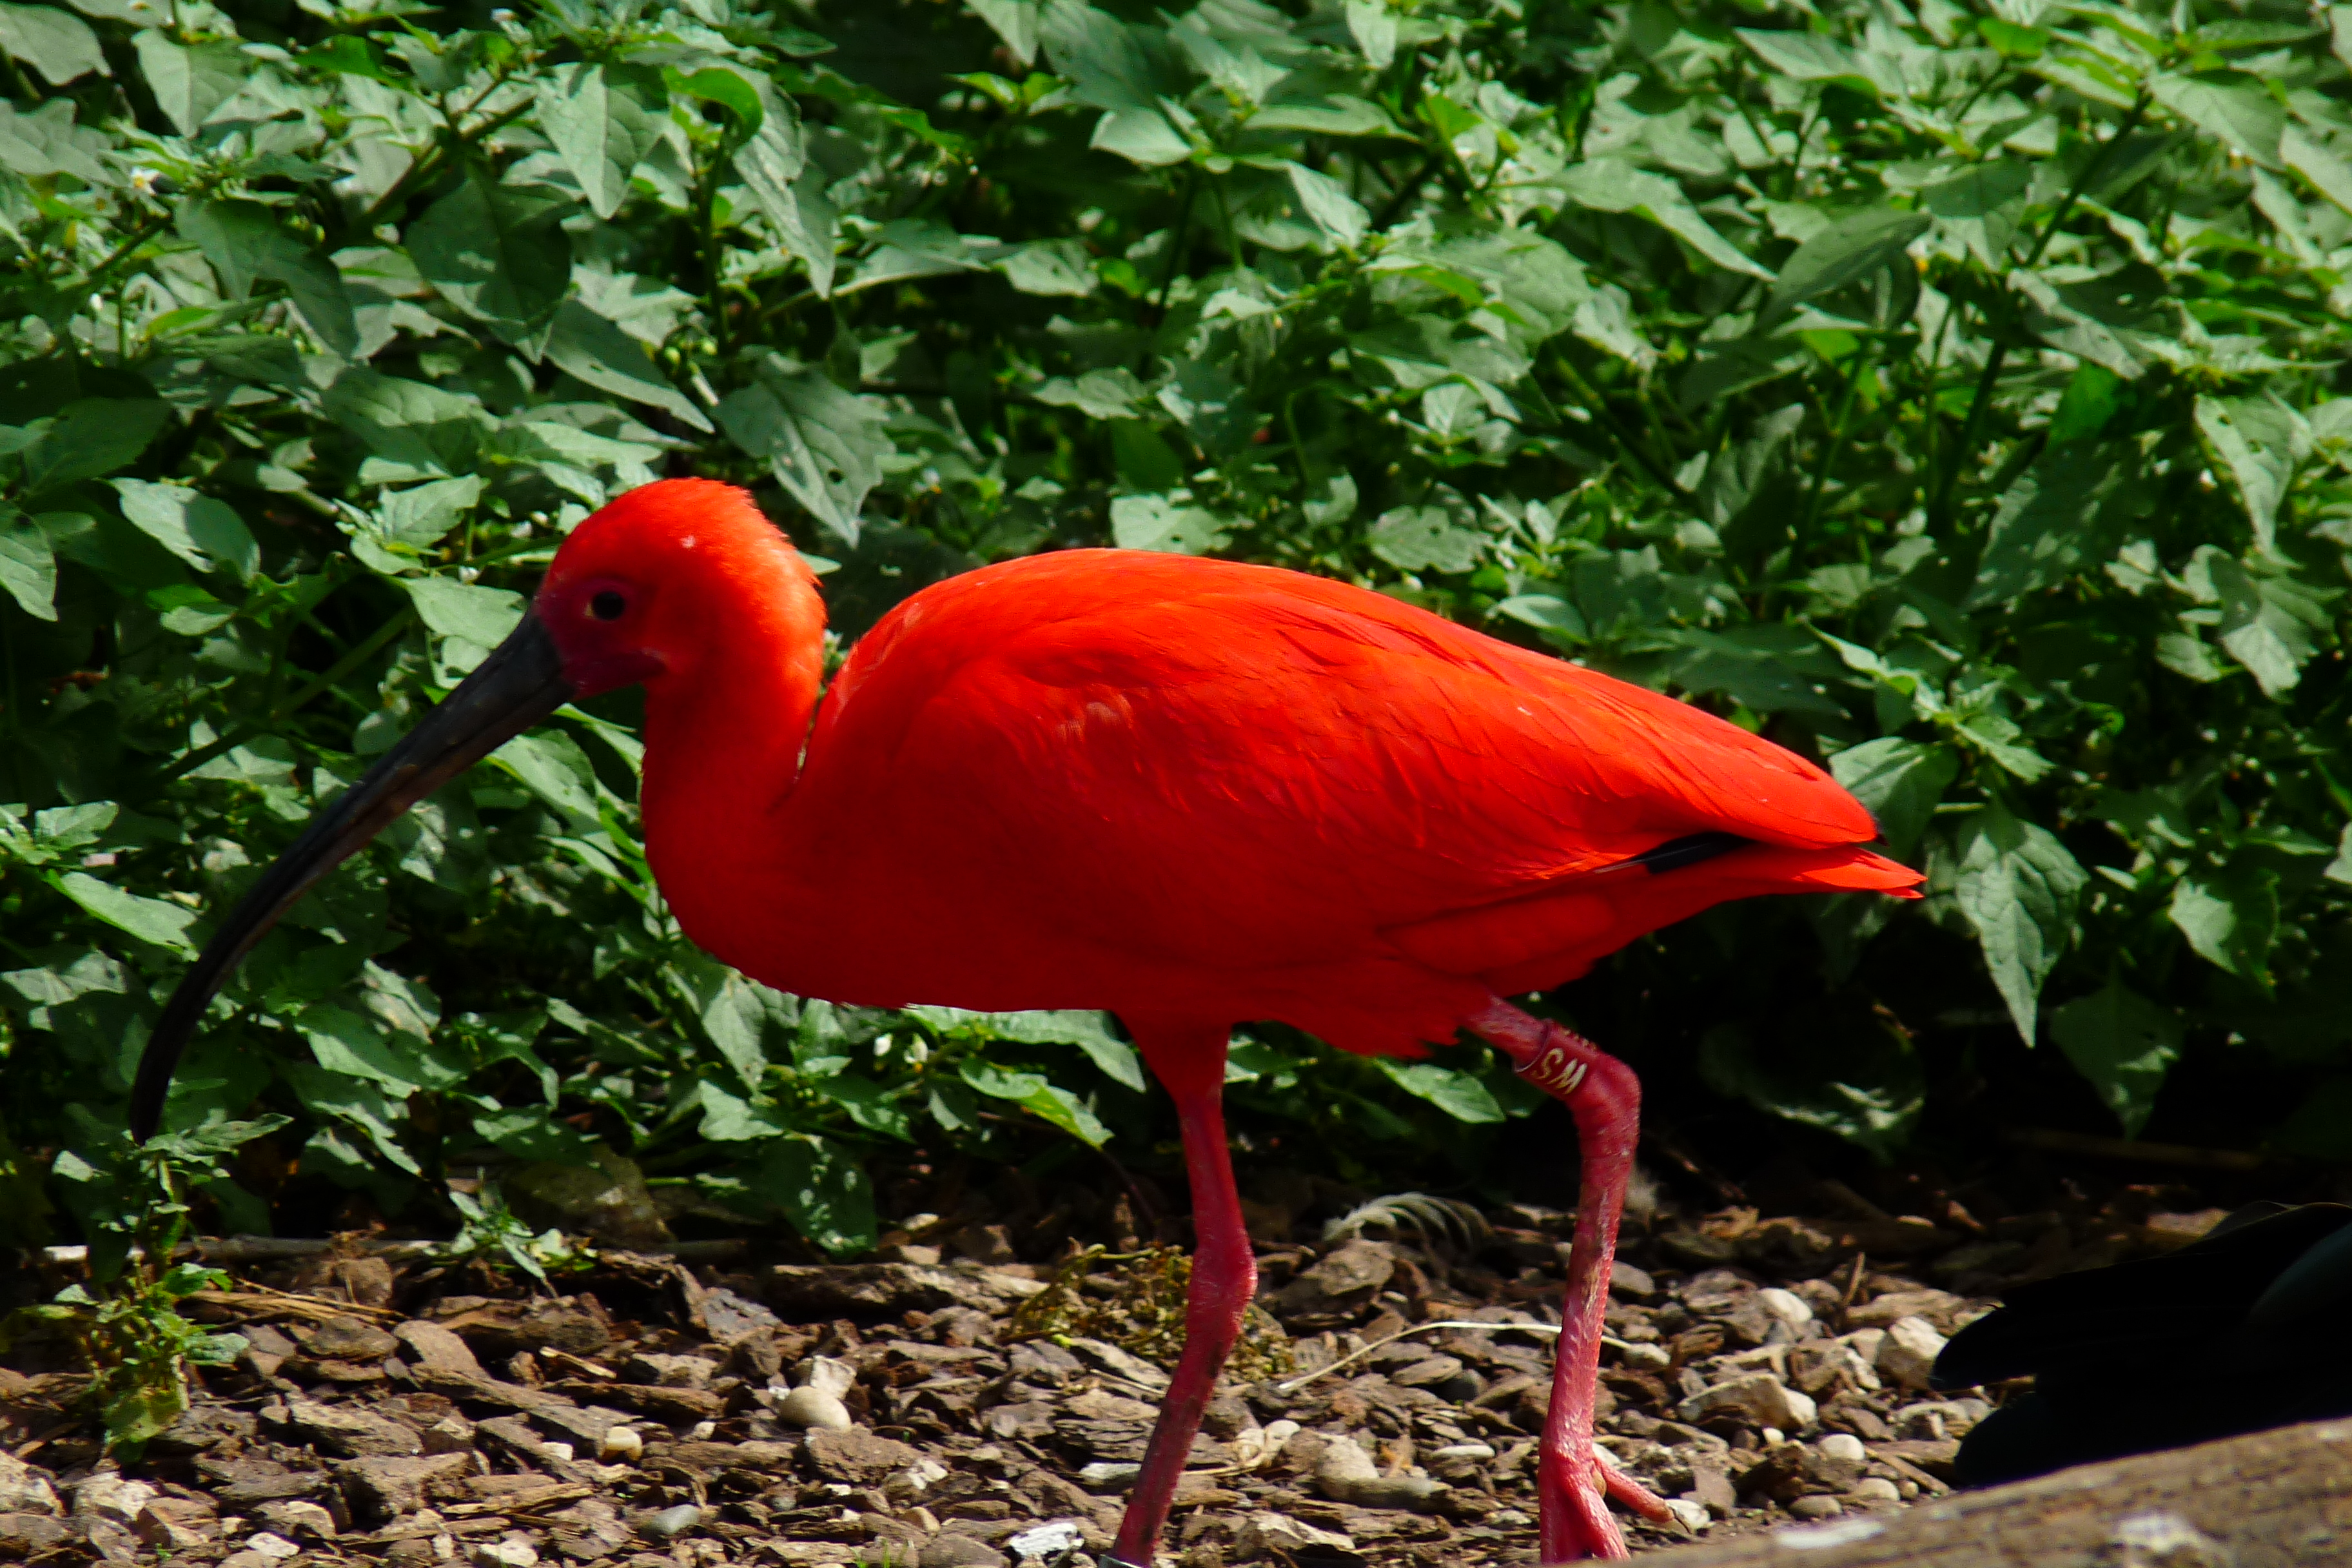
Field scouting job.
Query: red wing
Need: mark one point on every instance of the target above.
(1175, 735)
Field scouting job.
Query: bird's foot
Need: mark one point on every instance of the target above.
(1578, 1524)
(1630, 1493)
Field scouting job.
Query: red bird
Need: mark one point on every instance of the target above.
(1187, 792)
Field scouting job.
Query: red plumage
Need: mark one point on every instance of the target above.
(1163, 785)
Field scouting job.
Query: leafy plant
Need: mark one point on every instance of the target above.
(490, 1231)
(1950, 394)
(127, 1321)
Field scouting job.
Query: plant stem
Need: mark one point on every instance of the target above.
(1835, 439)
(342, 666)
(1625, 437)
(1980, 403)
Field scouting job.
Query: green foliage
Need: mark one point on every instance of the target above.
(127, 1323)
(1950, 396)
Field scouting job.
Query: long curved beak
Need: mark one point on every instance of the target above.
(520, 684)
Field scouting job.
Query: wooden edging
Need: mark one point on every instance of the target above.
(275, 1249)
(2270, 1500)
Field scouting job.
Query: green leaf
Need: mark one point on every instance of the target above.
(2049, 526)
(1457, 1094)
(482, 615)
(822, 1189)
(90, 436)
(1159, 523)
(1374, 28)
(1058, 266)
(1809, 57)
(728, 1118)
(1424, 539)
(1336, 215)
(733, 1012)
(347, 1044)
(423, 515)
(2259, 440)
(1607, 186)
(414, 431)
(1900, 782)
(28, 568)
(1850, 248)
(2231, 918)
(551, 764)
(1981, 205)
(242, 240)
(1033, 1093)
(189, 83)
(2236, 109)
(2326, 173)
(57, 44)
(150, 920)
(1545, 612)
(497, 253)
(1113, 394)
(2123, 1044)
(1016, 23)
(2018, 888)
(603, 121)
(2268, 622)
(1736, 475)
(46, 141)
(825, 446)
(199, 530)
(585, 345)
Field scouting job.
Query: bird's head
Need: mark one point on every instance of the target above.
(636, 592)
(641, 592)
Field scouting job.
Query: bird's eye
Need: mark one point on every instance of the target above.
(607, 605)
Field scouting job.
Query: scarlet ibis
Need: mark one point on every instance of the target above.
(2240, 1330)
(1190, 793)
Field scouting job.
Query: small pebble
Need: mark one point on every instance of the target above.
(1692, 1517)
(622, 1445)
(814, 1407)
(1465, 1451)
(672, 1521)
(1108, 1475)
(703, 1432)
(276, 1547)
(1047, 1541)
(1842, 1446)
(564, 1450)
(508, 1553)
(1813, 1508)
(1876, 1489)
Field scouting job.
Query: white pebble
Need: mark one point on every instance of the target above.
(813, 1407)
(1786, 1305)
(1876, 1489)
(509, 1554)
(621, 1445)
(1842, 1446)
(1908, 1352)
(272, 1545)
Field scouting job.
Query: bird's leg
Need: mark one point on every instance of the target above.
(1192, 1063)
(1605, 1099)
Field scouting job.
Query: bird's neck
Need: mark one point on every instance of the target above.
(723, 748)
